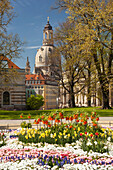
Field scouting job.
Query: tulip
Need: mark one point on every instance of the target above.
(97, 119)
(80, 134)
(21, 116)
(91, 135)
(85, 122)
(29, 117)
(67, 118)
(96, 133)
(71, 118)
(70, 126)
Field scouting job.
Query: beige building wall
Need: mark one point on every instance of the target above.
(15, 87)
(51, 97)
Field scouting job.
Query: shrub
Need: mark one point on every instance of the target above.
(34, 103)
(26, 125)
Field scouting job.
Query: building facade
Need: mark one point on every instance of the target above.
(81, 98)
(42, 85)
(42, 80)
(12, 86)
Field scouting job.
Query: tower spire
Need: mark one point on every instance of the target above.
(47, 19)
(27, 68)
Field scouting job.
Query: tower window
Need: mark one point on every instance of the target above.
(46, 35)
(50, 50)
(40, 58)
(49, 35)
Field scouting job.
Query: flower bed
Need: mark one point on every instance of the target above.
(61, 145)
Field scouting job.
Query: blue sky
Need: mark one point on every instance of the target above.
(31, 17)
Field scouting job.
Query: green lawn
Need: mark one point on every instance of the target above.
(16, 114)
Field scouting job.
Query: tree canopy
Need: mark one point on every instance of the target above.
(93, 20)
(10, 44)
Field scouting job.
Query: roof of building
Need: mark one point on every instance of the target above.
(34, 77)
(9, 62)
(48, 26)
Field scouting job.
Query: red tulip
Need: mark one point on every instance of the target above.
(85, 122)
(42, 117)
(97, 119)
(71, 118)
(60, 114)
(91, 135)
(80, 134)
(49, 125)
(96, 133)
(70, 126)
(67, 118)
(39, 120)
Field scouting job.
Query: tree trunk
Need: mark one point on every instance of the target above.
(72, 96)
(105, 98)
(104, 84)
(89, 86)
(72, 100)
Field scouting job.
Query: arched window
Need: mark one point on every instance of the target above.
(40, 58)
(49, 35)
(6, 98)
(46, 35)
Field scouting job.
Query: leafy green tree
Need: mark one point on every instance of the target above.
(34, 103)
(71, 67)
(94, 22)
(10, 44)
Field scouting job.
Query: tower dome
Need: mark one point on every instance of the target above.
(48, 34)
(42, 62)
(48, 26)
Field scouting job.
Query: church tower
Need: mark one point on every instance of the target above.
(27, 68)
(48, 34)
(41, 58)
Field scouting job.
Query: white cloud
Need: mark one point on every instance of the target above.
(24, 3)
(31, 47)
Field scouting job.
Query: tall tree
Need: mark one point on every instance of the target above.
(94, 19)
(70, 67)
(10, 44)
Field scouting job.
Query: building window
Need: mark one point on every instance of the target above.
(5, 64)
(46, 35)
(50, 50)
(27, 82)
(6, 98)
(77, 99)
(83, 98)
(40, 58)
